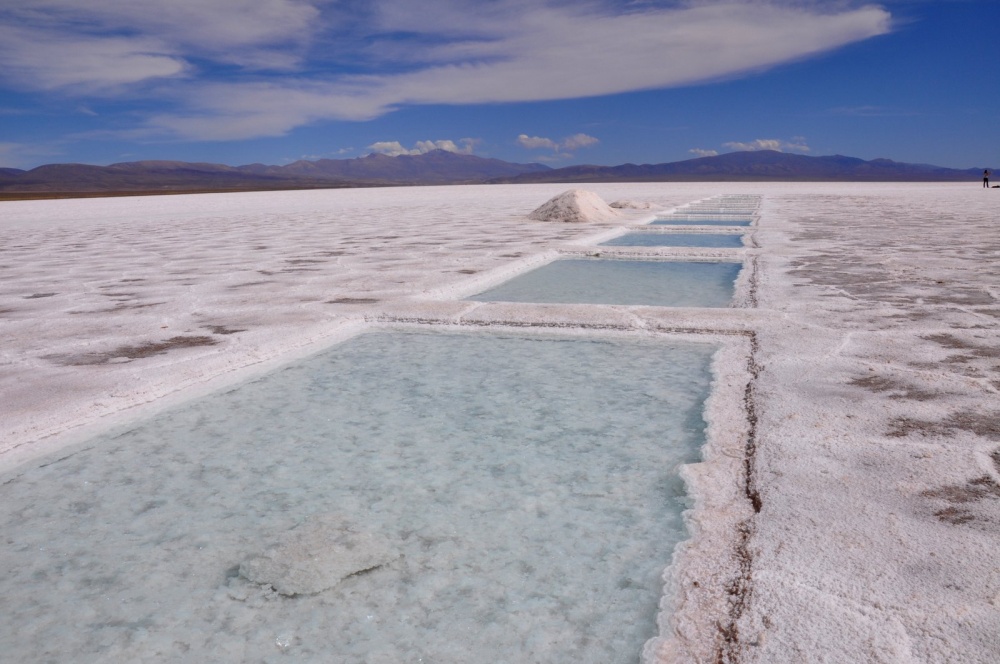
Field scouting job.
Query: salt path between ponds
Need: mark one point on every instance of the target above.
(867, 528)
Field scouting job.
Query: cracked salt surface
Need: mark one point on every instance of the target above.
(456, 497)
(874, 399)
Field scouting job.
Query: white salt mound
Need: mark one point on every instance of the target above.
(575, 205)
(632, 205)
(317, 555)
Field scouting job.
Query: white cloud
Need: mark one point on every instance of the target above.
(566, 146)
(395, 148)
(390, 148)
(703, 153)
(577, 141)
(796, 145)
(536, 142)
(399, 52)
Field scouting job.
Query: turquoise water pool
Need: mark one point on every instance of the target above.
(522, 491)
(715, 240)
(645, 282)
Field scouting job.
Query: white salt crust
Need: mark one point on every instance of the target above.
(868, 368)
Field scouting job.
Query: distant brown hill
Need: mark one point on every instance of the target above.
(141, 177)
(440, 167)
(435, 167)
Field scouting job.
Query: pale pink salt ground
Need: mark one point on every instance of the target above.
(871, 360)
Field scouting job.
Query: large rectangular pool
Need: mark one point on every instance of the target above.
(401, 497)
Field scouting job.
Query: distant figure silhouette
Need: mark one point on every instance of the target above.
(986, 178)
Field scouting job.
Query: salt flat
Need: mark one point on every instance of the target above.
(862, 525)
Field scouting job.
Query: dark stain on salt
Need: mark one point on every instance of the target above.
(962, 497)
(899, 389)
(986, 425)
(137, 352)
(222, 329)
(953, 342)
(251, 283)
(353, 300)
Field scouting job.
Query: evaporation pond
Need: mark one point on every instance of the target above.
(401, 497)
(676, 240)
(590, 281)
(696, 220)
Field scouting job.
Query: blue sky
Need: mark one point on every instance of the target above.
(557, 81)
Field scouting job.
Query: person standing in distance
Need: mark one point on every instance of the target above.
(986, 178)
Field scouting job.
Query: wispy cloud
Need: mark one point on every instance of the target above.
(16, 154)
(395, 148)
(83, 65)
(233, 69)
(870, 112)
(797, 144)
(99, 46)
(703, 153)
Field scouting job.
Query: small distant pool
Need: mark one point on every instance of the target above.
(714, 240)
(702, 220)
(593, 281)
(694, 210)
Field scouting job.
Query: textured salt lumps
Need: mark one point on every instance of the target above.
(575, 205)
(317, 555)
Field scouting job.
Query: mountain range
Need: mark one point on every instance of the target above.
(756, 166)
(439, 167)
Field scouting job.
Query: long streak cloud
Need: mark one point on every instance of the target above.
(234, 69)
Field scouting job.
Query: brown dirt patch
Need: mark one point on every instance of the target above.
(986, 425)
(902, 390)
(951, 341)
(222, 329)
(955, 516)
(353, 300)
(140, 351)
(961, 498)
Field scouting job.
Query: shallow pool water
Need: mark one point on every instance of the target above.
(525, 490)
(701, 220)
(592, 281)
(717, 240)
